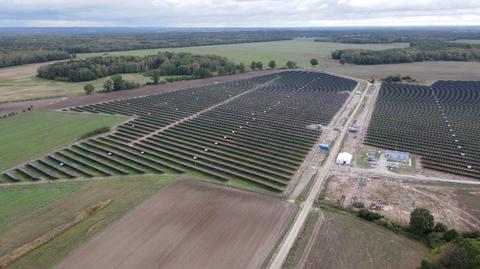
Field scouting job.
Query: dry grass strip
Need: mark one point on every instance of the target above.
(50, 235)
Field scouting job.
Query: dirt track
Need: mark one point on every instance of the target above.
(6, 108)
(213, 226)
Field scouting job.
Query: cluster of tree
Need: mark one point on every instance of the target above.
(118, 83)
(461, 251)
(167, 63)
(399, 79)
(114, 83)
(19, 57)
(379, 219)
(291, 65)
(256, 65)
(419, 51)
(273, 64)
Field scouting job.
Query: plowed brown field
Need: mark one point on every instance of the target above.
(189, 225)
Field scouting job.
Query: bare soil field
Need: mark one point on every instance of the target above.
(454, 205)
(340, 240)
(6, 108)
(214, 226)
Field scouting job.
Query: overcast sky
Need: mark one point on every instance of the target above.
(238, 13)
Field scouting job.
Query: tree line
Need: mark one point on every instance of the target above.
(72, 41)
(167, 63)
(419, 51)
(112, 41)
(386, 35)
(455, 250)
(19, 57)
(35, 48)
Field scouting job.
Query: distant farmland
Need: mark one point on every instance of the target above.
(302, 50)
(20, 83)
(298, 50)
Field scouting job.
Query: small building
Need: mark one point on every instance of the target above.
(324, 147)
(397, 156)
(371, 156)
(344, 158)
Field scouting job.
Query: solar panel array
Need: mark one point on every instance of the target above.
(441, 123)
(254, 129)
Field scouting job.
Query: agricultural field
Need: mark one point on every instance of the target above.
(30, 211)
(470, 41)
(30, 134)
(440, 123)
(330, 245)
(21, 83)
(216, 227)
(300, 50)
(255, 122)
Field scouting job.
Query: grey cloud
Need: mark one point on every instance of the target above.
(237, 12)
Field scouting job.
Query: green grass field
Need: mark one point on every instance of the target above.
(31, 134)
(299, 50)
(471, 41)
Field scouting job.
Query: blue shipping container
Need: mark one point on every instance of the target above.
(324, 147)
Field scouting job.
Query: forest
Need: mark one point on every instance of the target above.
(399, 35)
(167, 63)
(31, 45)
(17, 49)
(419, 51)
(19, 57)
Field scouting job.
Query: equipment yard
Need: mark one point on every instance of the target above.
(451, 204)
(216, 227)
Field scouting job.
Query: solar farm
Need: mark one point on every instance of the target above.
(441, 123)
(252, 129)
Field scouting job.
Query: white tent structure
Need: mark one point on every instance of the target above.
(344, 158)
